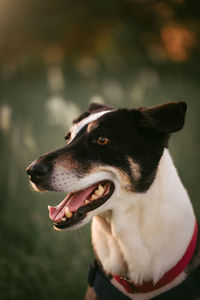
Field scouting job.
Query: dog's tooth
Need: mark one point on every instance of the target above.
(87, 201)
(64, 219)
(68, 213)
(94, 197)
(96, 192)
(99, 191)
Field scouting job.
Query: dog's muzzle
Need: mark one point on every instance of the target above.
(78, 202)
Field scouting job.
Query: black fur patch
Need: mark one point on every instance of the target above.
(141, 134)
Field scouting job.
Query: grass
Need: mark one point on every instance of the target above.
(37, 262)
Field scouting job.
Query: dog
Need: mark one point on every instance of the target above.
(117, 171)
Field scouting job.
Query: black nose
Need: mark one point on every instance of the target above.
(36, 171)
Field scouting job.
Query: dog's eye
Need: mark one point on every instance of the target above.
(102, 140)
(67, 136)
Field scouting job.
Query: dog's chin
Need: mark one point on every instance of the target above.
(37, 187)
(70, 214)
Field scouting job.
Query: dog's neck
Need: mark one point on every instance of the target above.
(146, 234)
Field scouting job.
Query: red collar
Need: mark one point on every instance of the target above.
(131, 287)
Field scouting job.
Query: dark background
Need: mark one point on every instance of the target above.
(55, 58)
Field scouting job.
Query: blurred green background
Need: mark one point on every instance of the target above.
(55, 58)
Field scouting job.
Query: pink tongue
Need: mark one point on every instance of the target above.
(72, 201)
(78, 199)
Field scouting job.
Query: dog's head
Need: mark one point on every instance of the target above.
(108, 153)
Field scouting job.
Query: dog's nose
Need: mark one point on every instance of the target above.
(36, 171)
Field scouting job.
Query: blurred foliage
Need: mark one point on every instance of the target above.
(55, 58)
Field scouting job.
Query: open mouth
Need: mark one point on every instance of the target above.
(75, 206)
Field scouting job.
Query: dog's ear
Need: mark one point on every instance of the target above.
(166, 118)
(96, 107)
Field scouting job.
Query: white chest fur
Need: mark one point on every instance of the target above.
(144, 235)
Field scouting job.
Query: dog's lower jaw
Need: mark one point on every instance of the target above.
(147, 233)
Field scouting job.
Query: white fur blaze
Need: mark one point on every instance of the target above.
(75, 129)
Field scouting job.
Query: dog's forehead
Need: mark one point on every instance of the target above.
(75, 129)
